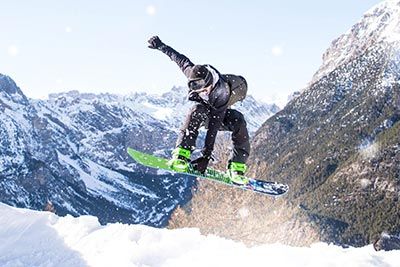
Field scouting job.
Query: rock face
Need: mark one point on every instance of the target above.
(380, 24)
(338, 144)
(68, 153)
(387, 242)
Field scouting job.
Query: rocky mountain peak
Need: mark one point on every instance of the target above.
(379, 25)
(10, 92)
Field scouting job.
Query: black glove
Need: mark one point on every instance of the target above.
(155, 42)
(194, 96)
(200, 164)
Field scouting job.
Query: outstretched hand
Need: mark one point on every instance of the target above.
(155, 42)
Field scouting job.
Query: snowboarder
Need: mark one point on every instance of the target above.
(214, 93)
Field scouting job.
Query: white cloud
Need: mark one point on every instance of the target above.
(151, 10)
(68, 29)
(13, 50)
(277, 50)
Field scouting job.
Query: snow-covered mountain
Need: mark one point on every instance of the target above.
(154, 120)
(337, 143)
(31, 238)
(68, 153)
(172, 107)
(379, 26)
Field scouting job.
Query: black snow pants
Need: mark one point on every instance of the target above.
(233, 121)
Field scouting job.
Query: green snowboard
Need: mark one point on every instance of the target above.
(259, 186)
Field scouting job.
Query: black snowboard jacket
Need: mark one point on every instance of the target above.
(217, 102)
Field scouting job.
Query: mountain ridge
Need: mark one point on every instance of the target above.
(69, 153)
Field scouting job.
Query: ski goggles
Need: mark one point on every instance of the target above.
(197, 84)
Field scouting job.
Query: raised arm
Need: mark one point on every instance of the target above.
(181, 60)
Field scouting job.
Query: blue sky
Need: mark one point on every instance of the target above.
(101, 46)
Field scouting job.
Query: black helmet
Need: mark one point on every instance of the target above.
(199, 77)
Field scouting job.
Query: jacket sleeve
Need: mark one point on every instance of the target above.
(181, 60)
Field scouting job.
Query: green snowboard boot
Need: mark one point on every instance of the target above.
(236, 172)
(180, 159)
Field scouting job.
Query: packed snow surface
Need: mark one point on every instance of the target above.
(33, 238)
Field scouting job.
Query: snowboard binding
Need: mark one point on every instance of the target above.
(180, 160)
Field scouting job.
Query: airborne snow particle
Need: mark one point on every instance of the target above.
(368, 150)
(243, 212)
(277, 50)
(13, 50)
(151, 10)
(365, 183)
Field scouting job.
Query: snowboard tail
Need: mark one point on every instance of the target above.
(259, 186)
